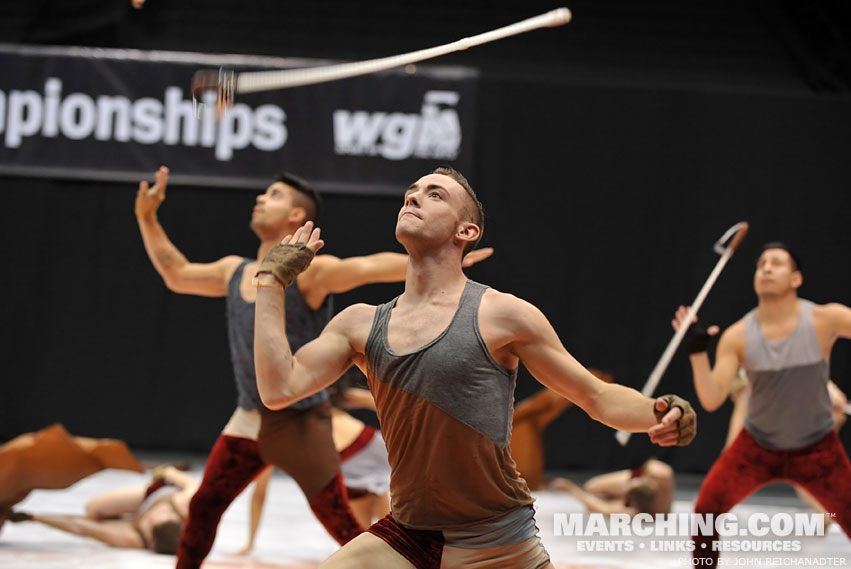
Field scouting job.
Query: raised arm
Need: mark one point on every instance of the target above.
(179, 275)
(528, 335)
(283, 378)
(329, 275)
(712, 384)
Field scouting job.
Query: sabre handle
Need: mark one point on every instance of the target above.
(737, 232)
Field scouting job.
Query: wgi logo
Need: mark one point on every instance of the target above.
(433, 133)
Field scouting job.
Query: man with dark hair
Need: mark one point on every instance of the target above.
(784, 346)
(306, 196)
(441, 361)
(255, 436)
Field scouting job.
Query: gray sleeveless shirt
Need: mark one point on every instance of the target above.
(445, 411)
(789, 407)
(303, 325)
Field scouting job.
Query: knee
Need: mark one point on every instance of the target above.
(93, 512)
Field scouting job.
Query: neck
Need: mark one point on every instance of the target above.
(777, 308)
(264, 248)
(269, 241)
(431, 277)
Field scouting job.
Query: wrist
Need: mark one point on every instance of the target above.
(268, 280)
(149, 217)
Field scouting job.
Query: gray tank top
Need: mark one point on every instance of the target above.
(445, 411)
(455, 371)
(789, 407)
(303, 325)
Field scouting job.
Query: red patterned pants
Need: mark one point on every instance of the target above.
(822, 469)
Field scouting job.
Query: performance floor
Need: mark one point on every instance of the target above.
(290, 537)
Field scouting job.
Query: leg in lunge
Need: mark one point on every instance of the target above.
(233, 463)
(825, 472)
(284, 437)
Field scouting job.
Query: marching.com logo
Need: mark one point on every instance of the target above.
(684, 525)
(759, 532)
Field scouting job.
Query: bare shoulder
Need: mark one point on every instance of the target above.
(833, 318)
(830, 311)
(228, 265)
(736, 330)
(354, 322)
(505, 304)
(360, 312)
(734, 336)
(509, 311)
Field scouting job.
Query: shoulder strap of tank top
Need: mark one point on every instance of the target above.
(236, 277)
(377, 334)
(468, 306)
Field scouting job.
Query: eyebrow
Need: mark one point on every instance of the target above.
(428, 187)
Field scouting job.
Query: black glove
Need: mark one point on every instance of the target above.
(17, 517)
(696, 339)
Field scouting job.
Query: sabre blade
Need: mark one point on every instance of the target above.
(737, 232)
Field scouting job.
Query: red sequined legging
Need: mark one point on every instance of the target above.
(822, 469)
(300, 443)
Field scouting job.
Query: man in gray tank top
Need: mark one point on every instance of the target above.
(441, 361)
(256, 436)
(784, 345)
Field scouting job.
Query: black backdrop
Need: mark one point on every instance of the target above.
(607, 171)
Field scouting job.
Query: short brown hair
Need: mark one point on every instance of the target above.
(306, 195)
(641, 496)
(476, 214)
(165, 536)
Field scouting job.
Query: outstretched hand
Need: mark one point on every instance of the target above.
(149, 198)
(677, 422)
(286, 260)
(306, 235)
(475, 256)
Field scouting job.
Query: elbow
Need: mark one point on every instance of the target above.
(173, 284)
(273, 392)
(276, 402)
(710, 404)
(274, 399)
(593, 407)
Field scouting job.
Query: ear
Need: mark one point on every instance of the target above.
(797, 279)
(468, 232)
(298, 215)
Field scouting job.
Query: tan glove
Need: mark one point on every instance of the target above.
(286, 262)
(686, 424)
